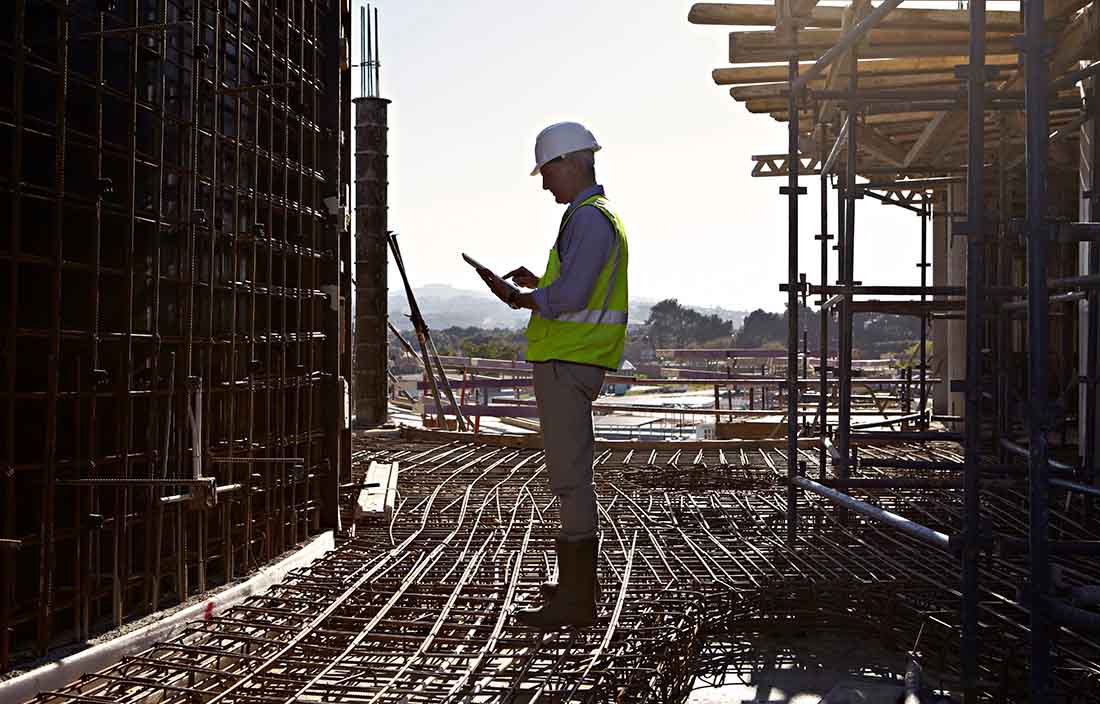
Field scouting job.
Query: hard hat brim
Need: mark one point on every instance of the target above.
(538, 167)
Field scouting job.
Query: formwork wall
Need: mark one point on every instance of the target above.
(171, 234)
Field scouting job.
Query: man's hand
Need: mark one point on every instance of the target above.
(500, 289)
(523, 277)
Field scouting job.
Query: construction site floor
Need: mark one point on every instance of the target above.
(700, 586)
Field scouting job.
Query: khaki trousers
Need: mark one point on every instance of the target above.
(564, 393)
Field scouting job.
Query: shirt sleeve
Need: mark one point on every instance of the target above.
(583, 250)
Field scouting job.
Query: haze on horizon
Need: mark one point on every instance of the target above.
(472, 83)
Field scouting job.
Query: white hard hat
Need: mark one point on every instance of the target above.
(560, 139)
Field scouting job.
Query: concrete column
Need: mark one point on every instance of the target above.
(371, 258)
(956, 276)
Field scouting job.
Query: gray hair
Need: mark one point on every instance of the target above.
(585, 159)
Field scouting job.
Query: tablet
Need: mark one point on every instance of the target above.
(475, 263)
(481, 267)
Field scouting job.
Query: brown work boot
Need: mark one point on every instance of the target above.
(550, 587)
(572, 602)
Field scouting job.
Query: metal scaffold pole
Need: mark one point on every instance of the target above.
(924, 317)
(974, 345)
(1092, 369)
(792, 191)
(847, 278)
(823, 325)
(1035, 97)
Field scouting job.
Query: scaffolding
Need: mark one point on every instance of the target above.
(175, 267)
(928, 107)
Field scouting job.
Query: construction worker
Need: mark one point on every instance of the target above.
(576, 333)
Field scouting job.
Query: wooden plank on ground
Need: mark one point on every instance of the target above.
(379, 491)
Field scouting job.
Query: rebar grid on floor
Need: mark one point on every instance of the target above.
(695, 570)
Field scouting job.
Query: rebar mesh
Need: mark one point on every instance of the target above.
(698, 586)
(164, 249)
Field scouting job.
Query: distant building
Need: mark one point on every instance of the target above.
(621, 389)
(640, 347)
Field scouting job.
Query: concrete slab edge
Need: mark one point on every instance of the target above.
(57, 674)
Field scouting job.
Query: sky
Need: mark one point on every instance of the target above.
(473, 82)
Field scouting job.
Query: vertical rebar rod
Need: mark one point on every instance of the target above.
(284, 394)
(15, 178)
(126, 427)
(377, 57)
(272, 375)
(792, 296)
(97, 292)
(368, 58)
(163, 408)
(335, 273)
(347, 257)
(974, 327)
(236, 251)
(363, 56)
(1035, 99)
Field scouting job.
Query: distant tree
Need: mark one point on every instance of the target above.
(761, 327)
(489, 349)
(873, 334)
(469, 342)
(673, 325)
(710, 327)
(666, 323)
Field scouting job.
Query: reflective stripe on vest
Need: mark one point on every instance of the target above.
(609, 317)
(597, 334)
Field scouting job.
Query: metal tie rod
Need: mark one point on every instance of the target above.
(893, 520)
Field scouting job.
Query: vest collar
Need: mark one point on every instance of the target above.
(595, 190)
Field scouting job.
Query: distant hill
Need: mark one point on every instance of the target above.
(445, 306)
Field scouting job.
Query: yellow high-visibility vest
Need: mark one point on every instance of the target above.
(595, 335)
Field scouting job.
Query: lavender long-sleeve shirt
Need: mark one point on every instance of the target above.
(583, 248)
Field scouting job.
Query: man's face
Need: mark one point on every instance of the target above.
(557, 177)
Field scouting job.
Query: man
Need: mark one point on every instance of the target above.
(576, 333)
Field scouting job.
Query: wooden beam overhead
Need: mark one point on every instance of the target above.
(1057, 9)
(922, 117)
(745, 49)
(829, 16)
(743, 75)
(844, 67)
(879, 146)
(1077, 41)
(779, 90)
(802, 8)
(793, 14)
(940, 131)
(823, 39)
